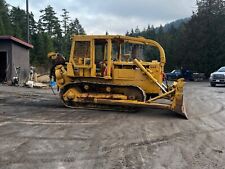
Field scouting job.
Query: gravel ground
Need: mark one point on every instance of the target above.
(36, 131)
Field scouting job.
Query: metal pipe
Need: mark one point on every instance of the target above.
(109, 59)
(28, 29)
(132, 103)
(148, 74)
(161, 96)
(150, 43)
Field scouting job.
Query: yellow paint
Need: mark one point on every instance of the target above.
(146, 75)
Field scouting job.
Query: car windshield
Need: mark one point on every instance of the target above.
(222, 69)
(175, 71)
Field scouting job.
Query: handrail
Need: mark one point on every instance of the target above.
(150, 43)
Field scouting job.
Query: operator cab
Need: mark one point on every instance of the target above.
(99, 56)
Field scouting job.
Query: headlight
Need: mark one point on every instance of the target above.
(211, 75)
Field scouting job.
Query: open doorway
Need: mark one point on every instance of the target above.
(3, 66)
(100, 56)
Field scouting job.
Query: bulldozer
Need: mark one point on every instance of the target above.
(112, 71)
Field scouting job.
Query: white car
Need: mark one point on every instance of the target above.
(217, 77)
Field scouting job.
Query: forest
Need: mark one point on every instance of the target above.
(48, 33)
(196, 43)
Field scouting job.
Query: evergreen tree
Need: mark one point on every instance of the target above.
(150, 32)
(32, 25)
(42, 45)
(203, 46)
(5, 25)
(18, 21)
(65, 45)
(137, 31)
(46, 34)
(132, 32)
(49, 23)
(65, 21)
(76, 28)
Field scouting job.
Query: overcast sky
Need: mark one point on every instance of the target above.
(115, 16)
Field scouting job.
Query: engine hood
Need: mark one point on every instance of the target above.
(218, 73)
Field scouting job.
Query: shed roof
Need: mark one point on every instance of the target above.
(14, 39)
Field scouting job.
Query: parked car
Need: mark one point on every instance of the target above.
(217, 77)
(176, 74)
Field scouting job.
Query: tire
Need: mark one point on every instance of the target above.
(212, 84)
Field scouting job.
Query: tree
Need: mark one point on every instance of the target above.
(46, 34)
(49, 23)
(137, 31)
(76, 28)
(132, 32)
(65, 21)
(19, 24)
(18, 21)
(211, 7)
(203, 46)
(43, 44)
(5, 25)
(32, 25)
(150, 32)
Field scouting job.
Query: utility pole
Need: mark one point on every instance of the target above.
(28, 29)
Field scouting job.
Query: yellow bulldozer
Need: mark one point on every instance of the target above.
(111, 71)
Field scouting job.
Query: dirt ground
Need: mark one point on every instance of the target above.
(36, 131)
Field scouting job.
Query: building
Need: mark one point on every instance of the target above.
(14, 59)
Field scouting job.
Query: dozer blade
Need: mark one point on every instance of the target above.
(178, 101)
(180, 107)
(131, 103)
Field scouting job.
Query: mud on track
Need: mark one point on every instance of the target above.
(36, 131)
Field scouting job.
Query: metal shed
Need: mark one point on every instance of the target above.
(14, 55)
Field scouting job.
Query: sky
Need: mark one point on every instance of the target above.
(115, 16)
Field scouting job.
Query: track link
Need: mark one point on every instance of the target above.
(132, 93)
